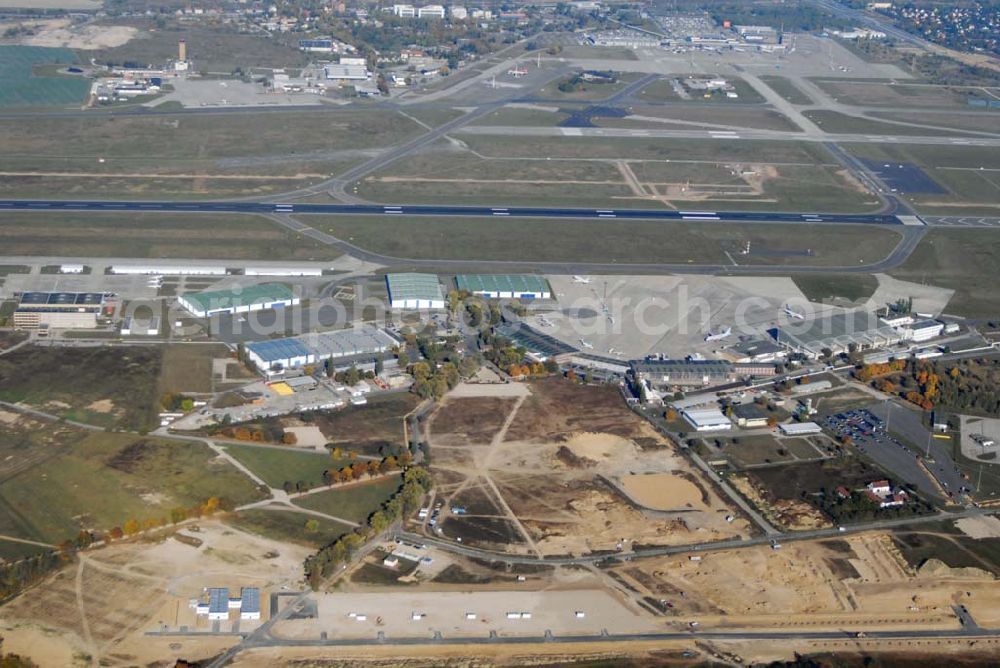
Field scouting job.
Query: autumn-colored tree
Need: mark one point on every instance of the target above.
(312, 525)
(178, 515)
(359, 469)
(346, 474)
(210, 506)
(772, 422)
(115, 533)
(150, 523)
(131, 527)
(670, 415)
(289, 438)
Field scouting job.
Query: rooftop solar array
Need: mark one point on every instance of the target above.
(218, 599)
(250, 599)
(341, 343)
(62, 299)
(278, 349)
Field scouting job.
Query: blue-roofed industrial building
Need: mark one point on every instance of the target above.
(69, 310)
(277, 355)
(250, 603)
(218, 603)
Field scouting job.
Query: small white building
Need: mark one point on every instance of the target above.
(924, 330)
(431, 12)
(799, 428)
(707, 419)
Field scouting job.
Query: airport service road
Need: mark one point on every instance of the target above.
(442, 210)
(667, 550)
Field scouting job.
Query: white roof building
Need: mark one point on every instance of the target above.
(707, 419)
(799, 428)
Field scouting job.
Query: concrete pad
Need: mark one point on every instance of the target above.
(446, 612)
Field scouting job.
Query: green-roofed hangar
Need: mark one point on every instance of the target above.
(505, 286)
(238, 299)
(409, 290)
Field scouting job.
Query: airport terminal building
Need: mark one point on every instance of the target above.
(838, 332)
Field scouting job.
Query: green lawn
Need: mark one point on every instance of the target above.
(354, 502)
(276, 465)
(100, 480)
(288, 526)
(605, 241)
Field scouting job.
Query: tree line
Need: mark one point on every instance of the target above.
(416, 483)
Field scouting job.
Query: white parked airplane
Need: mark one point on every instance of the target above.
(582, 279)
(718, 336)
(589, 346)
(790, 312)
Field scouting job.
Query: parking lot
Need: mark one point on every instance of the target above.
(895, 439)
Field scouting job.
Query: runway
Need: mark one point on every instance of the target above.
(443, 210)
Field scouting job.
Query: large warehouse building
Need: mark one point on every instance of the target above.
(279, 354)
(61, 310)
(238, 300)
(414, 291)
(505, 286)
(837, 332)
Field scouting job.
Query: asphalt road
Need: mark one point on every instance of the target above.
(441, 210)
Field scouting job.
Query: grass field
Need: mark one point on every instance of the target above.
(582, 240)
(188, 367)
(280, 465)
(21, 87)
(620, 172)
(982, 121)
(355, 502)
(964, 260)
(368, 429)
(173, 155)
(76, 479)
(738, 117)
(882, 94)
(154, 235)
(101, 386)
(824, 287)
(525, 117)
(970, 173)
(288, 526)
(786, 89)
(588, 92)
(835, 122)
(211, 48)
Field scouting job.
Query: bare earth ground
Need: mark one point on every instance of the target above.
(61, 32)
(547, 477)
(103, 605)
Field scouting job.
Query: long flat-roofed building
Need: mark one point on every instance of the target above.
(667, 374)
(505, 286)
(277, 355)
(414, 291)
(837, 332)
(238, 300)
(61, 310)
